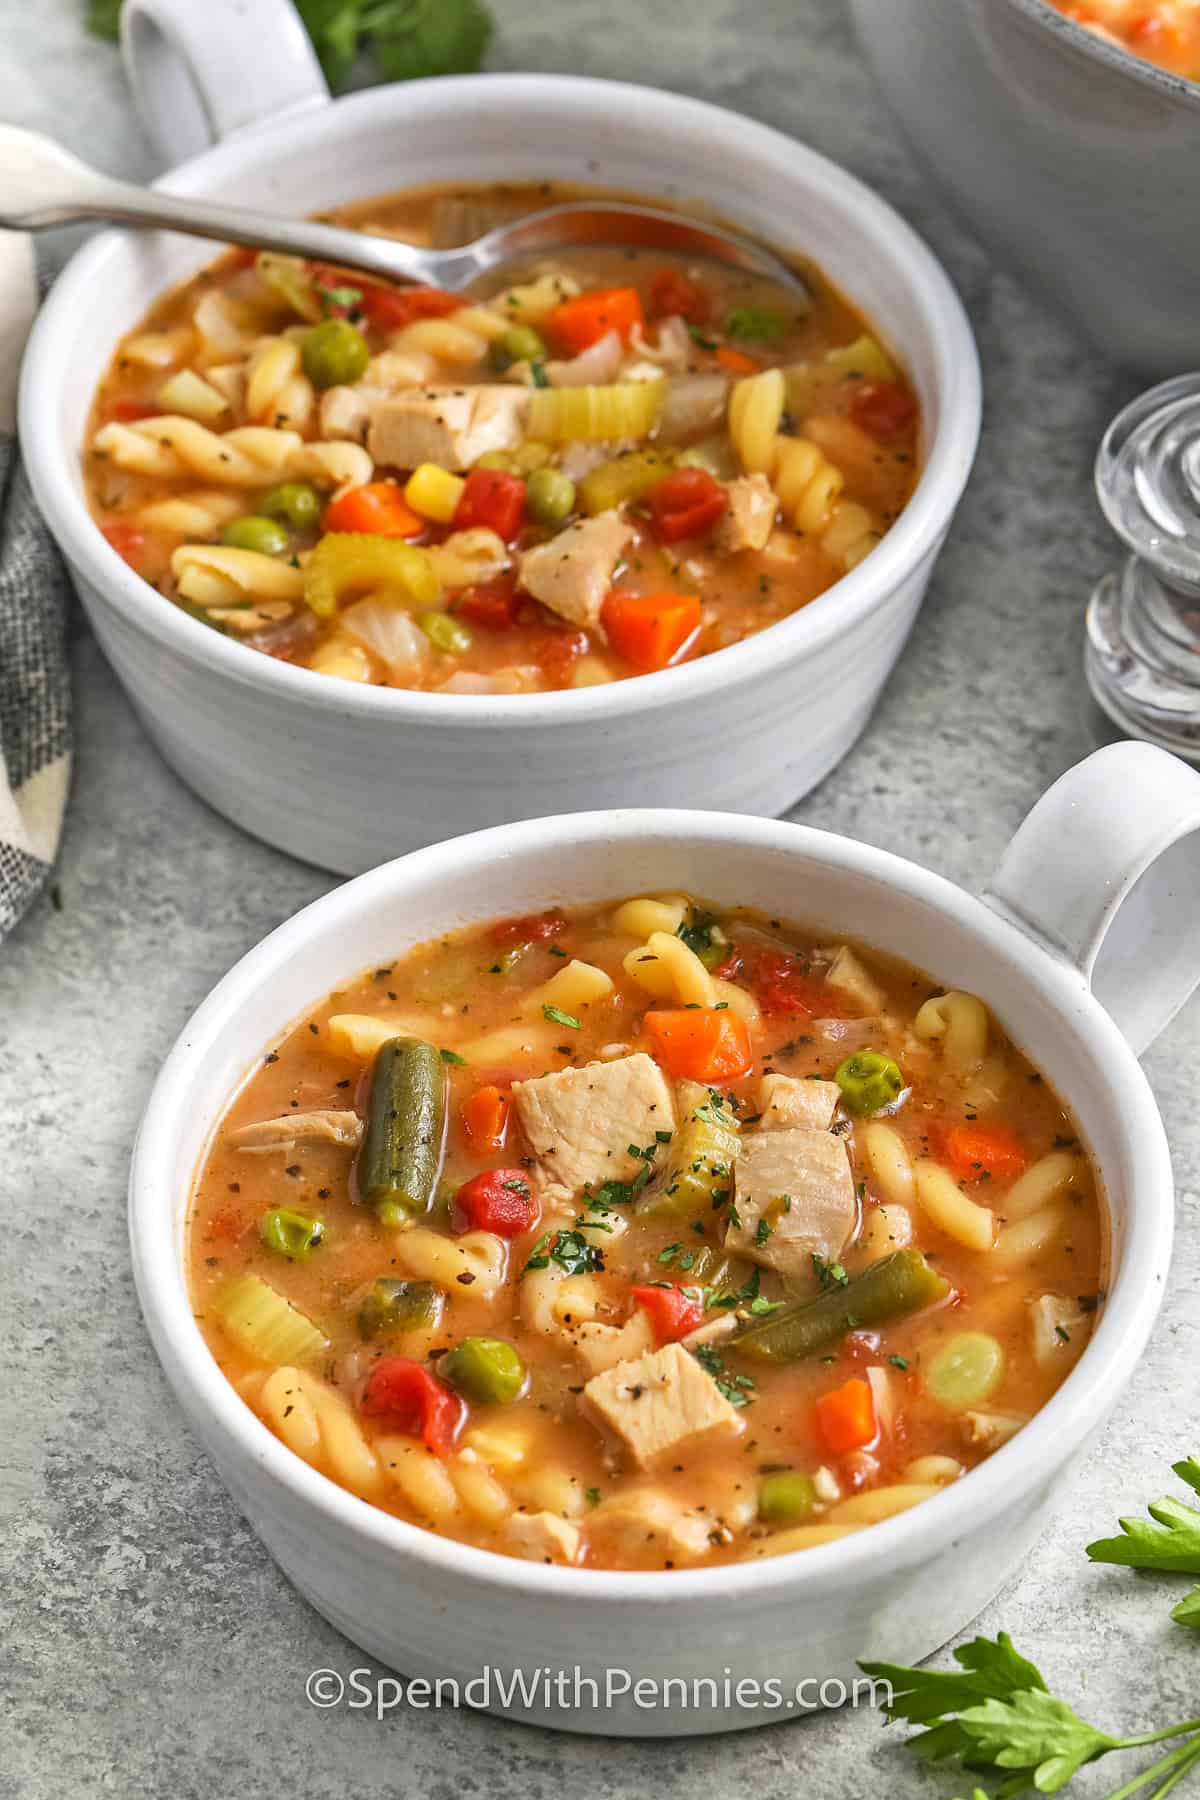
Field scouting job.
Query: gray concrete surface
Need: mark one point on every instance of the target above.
(149, 1647)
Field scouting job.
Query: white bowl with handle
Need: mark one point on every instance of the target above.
(343, 775)
(1085, 945)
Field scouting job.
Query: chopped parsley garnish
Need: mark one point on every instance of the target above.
(569, 1250)
(898, 1362)
(592, 1496)
(452, 1056)
(557, 1016)
(829, 1274)
(762, 1232)
(668, 1252)
(737, 1389)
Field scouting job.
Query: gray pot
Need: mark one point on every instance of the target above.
(1075, 163)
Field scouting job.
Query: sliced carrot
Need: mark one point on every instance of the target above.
(736, 361)
(583, 320)
(651, 631)
(700, 1043)
(846, 1417)
(974, 1150)
(485, 1118)
(378, 507)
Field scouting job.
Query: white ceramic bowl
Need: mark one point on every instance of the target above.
(1100, 878)
(345, 776)
(1068, 157)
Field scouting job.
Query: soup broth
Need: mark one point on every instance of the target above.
(613, 462)
(646, 1236)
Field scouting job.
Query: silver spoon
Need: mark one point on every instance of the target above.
(43, 185)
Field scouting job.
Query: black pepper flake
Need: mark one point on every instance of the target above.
(270, 1057)
(465, 1279)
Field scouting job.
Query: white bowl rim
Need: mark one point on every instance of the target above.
(1114, 56)
(1054, 1433)
(53, 466)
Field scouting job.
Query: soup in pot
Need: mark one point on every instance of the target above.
(646, 1236)
(613, 463)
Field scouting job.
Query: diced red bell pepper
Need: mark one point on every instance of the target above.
(557, 649)
(128, 411)
(493, 500)
(492, 604)
(672, 292)
(533, 928)
(684, 504)
(391, 309)
(127, 539)
(672, 1311)
(499, 1201)
(414, 1403)
(883, 408)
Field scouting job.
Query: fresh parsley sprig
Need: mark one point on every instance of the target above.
(1168, 1541)
(998, 1718)
(406, 39)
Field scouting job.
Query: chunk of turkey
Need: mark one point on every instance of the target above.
(794, 1198)
(450, 426)
(295, 1128)
(579, 1123)
(750, 517)
(572, 573)
(784, 1103)
(543, 1537)
(661, 1404)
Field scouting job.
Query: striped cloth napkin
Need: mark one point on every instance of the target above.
(35, 692)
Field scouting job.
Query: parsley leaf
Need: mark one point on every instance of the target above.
(452, 1056)
(829, 1274)
(557, 1016)
(1033, 1731)
(569, 1249)
(1170, 1544)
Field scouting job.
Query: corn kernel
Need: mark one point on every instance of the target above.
(434, 492)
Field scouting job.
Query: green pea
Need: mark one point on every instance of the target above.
(518, 344)
(445, 633)
(334, 354)
(400, 1306)
(965, 1369)
(484, 1369)
(296, 501)
(252, 533)
(869, 1080)
(550, 496)
(290, 1234)
(760, 322)
(786, 1497)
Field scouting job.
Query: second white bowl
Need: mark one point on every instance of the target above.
(346, 776)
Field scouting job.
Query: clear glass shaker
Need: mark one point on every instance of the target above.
(1142, 656)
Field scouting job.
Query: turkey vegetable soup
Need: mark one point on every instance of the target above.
(1164, 32)
(645, 1236)
(619, 461)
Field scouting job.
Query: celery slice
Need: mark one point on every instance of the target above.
(265, 1325)
(704, 1150)
(624, 409)
(353, 561)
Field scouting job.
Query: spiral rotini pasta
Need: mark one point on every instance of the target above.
(807, 483)
(756, 408)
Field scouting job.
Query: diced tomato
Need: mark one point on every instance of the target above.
(414, 1403)
(974, 1150)
(127, 411)
(685, 503)
(493, 500)
(128, 540)
(229, 1225)
(651, 631)
(700, 1043)
(391, 309)
(378, 507)
(782, 984)
(235, 261)
(492, 604)
(673, 292)
(534, 928)
(584, 319)
(859, 1349)
(883, 408)
(484, 1116)
(557, 649)
(736, 362)
(672, 1311)
(499, 1201)
(845, 1418)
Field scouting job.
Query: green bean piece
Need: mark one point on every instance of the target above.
(262, 535)
(393, 1306)
(869, 1080)
(334, 354)
(550, 496)
(290, 1234)
(785, 1497)
(401, 1154)
(296, 501)
(965, 1370)
(518, 344)
(484, 1369)
(445, 633)
(892, 1288)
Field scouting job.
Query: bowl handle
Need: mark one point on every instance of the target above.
(200, 72)
(1105, 875)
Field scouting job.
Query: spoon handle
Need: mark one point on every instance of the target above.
(44, 185)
